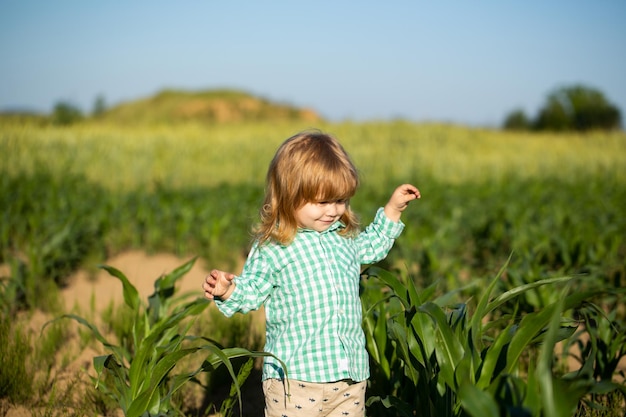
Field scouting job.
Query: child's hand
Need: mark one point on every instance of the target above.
(218, 284)
(399, 200)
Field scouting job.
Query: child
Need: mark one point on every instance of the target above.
(304, 267)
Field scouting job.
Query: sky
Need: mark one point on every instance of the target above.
(464, 62)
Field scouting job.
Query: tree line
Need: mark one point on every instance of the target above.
(572, 108)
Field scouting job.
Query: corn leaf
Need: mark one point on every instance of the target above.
(119, 352)
(397, 332)
(131, 295)
(494, 356)
(482, 308)
(476, 402)
(150, 397)
(533, 323)
(514, 292)
(376, 335)
(449, 350)
(394, 283)
(402, 408)
(170, 279)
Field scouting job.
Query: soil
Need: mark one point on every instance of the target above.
(140, 268)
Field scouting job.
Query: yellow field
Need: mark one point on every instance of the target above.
(190, 155)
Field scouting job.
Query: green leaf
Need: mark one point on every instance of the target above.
(131, 295)
(119, 352)
(493, 356)
(109, 363)
(169, 280)
(155, 405)
(424, 330)
(558, 401)
(390, 280)
(56, 240)
(532, 400)
(422, 340)
(146, 346)
(402, 408)
(147, 397)
(533, 323)
(376, 337)
(482, 308)
(514, 292)
(476, 402)
(449, 349)
(397, 332)
(164, 289)
(242, 376)
(98, 363)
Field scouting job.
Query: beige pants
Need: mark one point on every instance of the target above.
(303, 399)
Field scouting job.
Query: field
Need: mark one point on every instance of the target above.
(541, 206)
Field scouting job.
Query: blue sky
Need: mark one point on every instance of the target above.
(460, 62)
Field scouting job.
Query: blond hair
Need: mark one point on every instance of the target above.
(308, 167)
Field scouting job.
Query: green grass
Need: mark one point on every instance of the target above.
(77, 195)
(33, 369)
(15, 382)
(195, 156)
(72, 197)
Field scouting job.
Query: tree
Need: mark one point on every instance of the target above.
(517, 120)
(65, 113)
(577, 108)
(99, 106)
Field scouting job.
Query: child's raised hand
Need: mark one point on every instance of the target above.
(218, 284)
(399, 201)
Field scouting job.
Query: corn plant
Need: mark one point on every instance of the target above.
(138, 375)
(599, 355)
(430, 358)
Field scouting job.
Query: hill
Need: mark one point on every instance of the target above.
(212, 106)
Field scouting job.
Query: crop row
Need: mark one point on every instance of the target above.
(545, 207)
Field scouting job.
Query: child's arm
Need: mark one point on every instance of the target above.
(399, 201)
(218, 284)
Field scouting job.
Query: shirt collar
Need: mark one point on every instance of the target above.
(332, 228)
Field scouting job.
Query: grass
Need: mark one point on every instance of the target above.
(14, 349)
(202, 187)
(74, 196)
(34, 369)
(195, 156)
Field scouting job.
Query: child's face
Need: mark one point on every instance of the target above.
(320, 216)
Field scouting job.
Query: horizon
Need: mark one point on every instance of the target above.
(454, 63)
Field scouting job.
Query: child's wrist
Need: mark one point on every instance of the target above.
(228, 292)
(392, 213)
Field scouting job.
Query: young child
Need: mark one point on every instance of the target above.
(304, 267)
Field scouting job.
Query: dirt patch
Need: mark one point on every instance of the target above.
(87, 291)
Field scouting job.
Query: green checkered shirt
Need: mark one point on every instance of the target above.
(310, 289)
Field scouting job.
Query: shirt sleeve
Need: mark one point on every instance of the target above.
(252, 287)
(375, 242)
